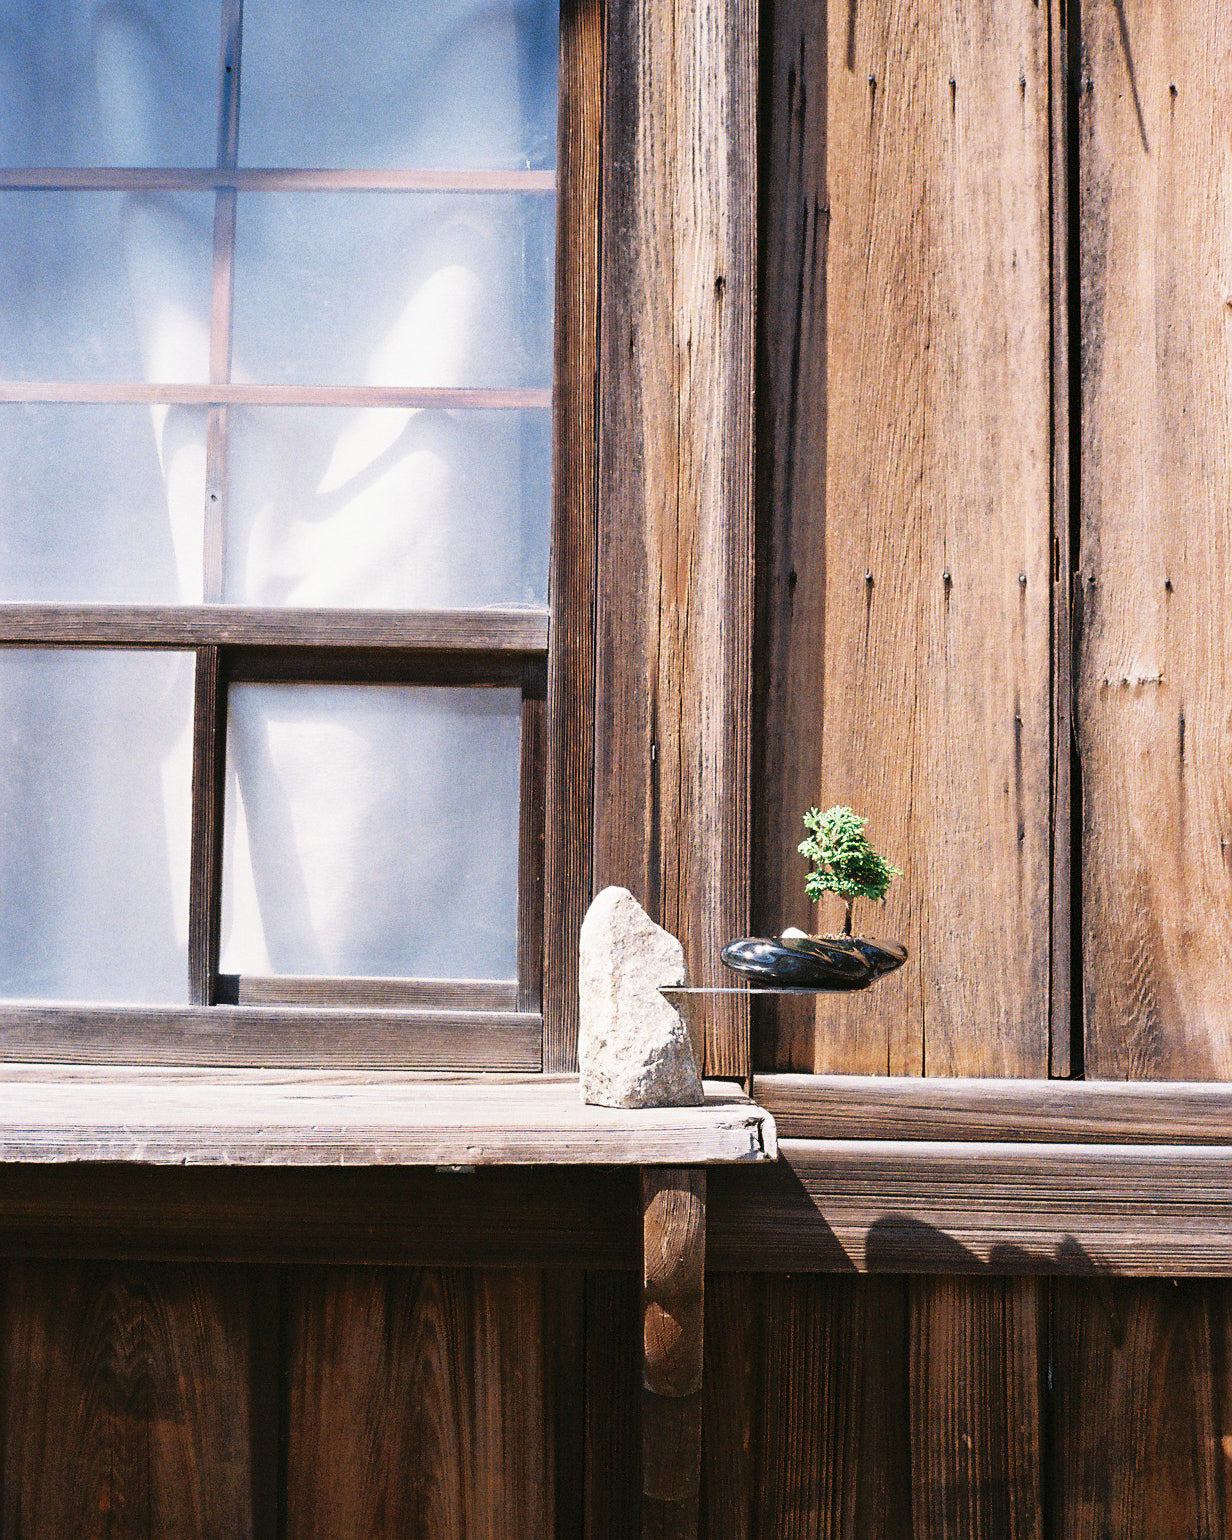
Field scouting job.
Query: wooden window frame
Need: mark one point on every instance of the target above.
(405, 1024)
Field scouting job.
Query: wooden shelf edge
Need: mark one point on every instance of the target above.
(321, 1119)
(977, 1110)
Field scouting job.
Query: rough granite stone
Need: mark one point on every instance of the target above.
(633, 1046)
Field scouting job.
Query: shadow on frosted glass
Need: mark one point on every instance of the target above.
(387, 508)
(394, 289)
(109, 82)
(95, 783)
(101, 504)
(371, 830)
(105, 286)
(460, 83)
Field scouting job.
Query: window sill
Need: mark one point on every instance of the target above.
(328, 1118)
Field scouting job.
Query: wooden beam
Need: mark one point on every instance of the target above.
(271, 1037)
(893, 1206)
(125, 625)
(1015, 1111)
(272, 179)
(673, 1279)
(675, 558)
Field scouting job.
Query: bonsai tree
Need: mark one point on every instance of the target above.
(842, 859)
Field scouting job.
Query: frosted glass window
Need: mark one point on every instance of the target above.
(394, 289)
(371, 830)
(95, 83)
(105, 286)
(101, 504)
(95, 781)
(462, 83)
(393, 509)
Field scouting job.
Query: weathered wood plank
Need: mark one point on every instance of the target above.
(1139, 1423)
(319, 1119)
(1025, 1111)
(673, 1315)
(613, 1407)
(938, 548)
(439, 994)
(977, 1413)
(1012, 1209)
(791, 442)
(568, 849)
(1154, 676)
(675, 554)
(124, 625)
(137, 1400)
(271, 1036)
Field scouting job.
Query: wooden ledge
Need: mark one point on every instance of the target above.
(324, 1118)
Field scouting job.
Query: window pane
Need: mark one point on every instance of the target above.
(93, 83)
(371, 830)
(463, 83)
(395, 509)
(105, 286)
(394, 289)
(95, 780)
(101, 504)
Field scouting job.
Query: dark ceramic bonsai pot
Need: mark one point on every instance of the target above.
(813, 962)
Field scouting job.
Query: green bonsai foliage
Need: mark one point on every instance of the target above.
(842, 859)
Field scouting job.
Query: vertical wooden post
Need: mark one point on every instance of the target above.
(675, 549)
(673, 1268)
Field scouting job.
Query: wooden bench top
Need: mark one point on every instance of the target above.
(191, 1117)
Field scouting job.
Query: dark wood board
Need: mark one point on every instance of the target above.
(139, 1402)
(417, 1405)
(1139, 1422)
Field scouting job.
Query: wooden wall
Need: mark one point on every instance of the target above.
(965, 211)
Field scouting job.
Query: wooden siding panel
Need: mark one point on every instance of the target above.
(139, 1402)
(791, 428)
(1154, 676)
(1140, 1427)
(675, 557)
(977, 1416)
(938, 524)
(417, 1405)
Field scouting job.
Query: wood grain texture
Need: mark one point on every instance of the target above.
(441, 994)
(124, 625)
(1154, 679)
(205, 858)
(568, 849)
(675, 554)
(613, 1477)
(977, 1357)
(274, 179)
(557, 1217)
(138, 1401)
(794, 220)
(417, 1405)
(1010, 1209)
(938, 553)
(806, 1408)
(1027, 1111)
(310, 1119)
(1139, 1423)
(147, 393)
(673, 1314)
(271, 1036)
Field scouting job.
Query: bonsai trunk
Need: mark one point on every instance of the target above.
(847, 918)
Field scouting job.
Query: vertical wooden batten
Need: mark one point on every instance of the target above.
(675, 550)
(571, 658)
